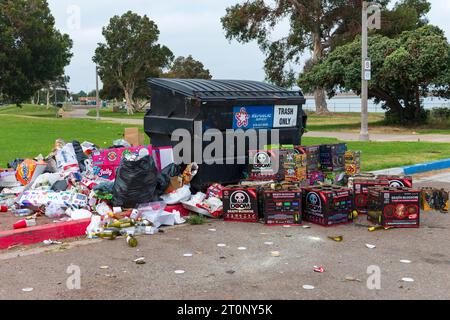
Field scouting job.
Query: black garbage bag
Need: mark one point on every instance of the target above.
(172, 170)
(81, 157)
(135, 183)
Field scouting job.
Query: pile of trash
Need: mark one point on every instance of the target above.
(124, 190)
(130, 190)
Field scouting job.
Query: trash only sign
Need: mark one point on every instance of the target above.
(285, 116)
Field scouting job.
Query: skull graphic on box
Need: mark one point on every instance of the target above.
(240, 200)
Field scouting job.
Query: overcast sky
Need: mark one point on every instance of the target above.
(186, 26)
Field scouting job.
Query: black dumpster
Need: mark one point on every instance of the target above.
(222, 105)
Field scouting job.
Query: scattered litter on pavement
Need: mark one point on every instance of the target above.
(231, 272)
(51, 242)
(27, 289)
(221, 245)
(319, 269)
(336, 238)
(406, 261)
(308, 287)
(104, 267)
(348, 278)
(407, 279)
(306, 227)
(370, 246)
(242, 248)
(140, 260)
(268, 243)
(188, 255)
(180, 272)
(212, 230)
(275, 254)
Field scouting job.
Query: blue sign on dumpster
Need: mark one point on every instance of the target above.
(253, 117)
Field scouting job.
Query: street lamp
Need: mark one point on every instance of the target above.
(371, 19)
(97, 95)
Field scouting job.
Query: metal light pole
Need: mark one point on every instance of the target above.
(368, 22)
(97, 95)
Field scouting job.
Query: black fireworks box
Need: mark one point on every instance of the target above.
(397, 181)
(240, 204)
(332, 157)
(435, 200)
(282, 207)
(265, 165)
(394, 207)
(352, 162)
(360, 185)
(327, 205)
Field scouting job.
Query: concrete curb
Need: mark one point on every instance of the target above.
(416, 169)
(37, 234)
(426, 167)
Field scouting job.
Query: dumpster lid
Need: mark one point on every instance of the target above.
(228, 89)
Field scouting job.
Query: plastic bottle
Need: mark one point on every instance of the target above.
(22, 212)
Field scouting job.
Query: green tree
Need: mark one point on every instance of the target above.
(313, 25)
(405, 69)
(32, 51)
(188, 68)
(131, 54)
(318, 26)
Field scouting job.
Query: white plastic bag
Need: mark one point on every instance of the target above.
(66, 160)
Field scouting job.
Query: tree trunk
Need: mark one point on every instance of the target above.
(319, 92)
(129, 98)
(48, 97)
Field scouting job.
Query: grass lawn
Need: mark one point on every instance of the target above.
(384, 155)
(29, 110)
(108, 113)
(351, 122)
(29, 137)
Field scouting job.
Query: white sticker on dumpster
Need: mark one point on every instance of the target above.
(285, 116)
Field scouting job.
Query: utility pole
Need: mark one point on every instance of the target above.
(97, 95)
(368, 22)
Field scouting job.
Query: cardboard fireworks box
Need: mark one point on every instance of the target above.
(352, 162)
(240, 204)
(435, 200)
(394, 207)
(294, 166)
(282, 207)
(332, 157)
(265, 165)
(327, 205)
(398, 181)
(312, 158)
(360, 185)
